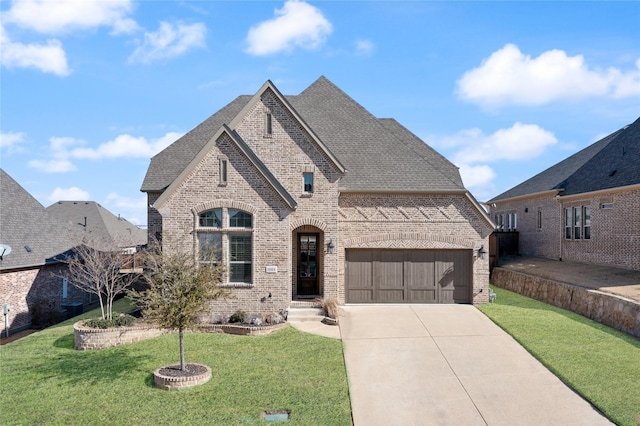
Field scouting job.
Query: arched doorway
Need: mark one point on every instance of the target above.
(308, 262)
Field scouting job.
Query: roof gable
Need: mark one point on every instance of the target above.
(33, 235)
(556, 176)
(244, 148)
(378, 155)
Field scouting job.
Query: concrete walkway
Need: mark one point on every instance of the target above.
(448, 365)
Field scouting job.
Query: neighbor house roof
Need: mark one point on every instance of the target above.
(88, 218)
(378, 154)
(608, 163)
(34, 236)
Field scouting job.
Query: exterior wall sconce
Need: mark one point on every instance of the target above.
(330, 246)
(481, 252)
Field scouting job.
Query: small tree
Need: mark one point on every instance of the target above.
(105, 272)
(180, 289)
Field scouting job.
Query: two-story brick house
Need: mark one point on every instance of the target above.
(585, 208)
(312, 196)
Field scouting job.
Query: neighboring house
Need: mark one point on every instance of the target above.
(95, 223)
(585, 208)
(312, 196)
(31, 274)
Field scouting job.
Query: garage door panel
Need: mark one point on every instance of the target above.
(408, 276)
(358, 275)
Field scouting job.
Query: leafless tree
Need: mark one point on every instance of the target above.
(104, 271)
(181, 286)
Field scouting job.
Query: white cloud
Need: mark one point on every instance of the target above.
(364, 47)
(135, 209)
(10, 140)
(60, 16)
(297, 24)
(126, 146)
(49, 57)
(69, 194)
(519, 142)
(65, 149)
(476, 177)
(169, 41)
(508, 77)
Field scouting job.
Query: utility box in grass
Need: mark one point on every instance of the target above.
(73, 309)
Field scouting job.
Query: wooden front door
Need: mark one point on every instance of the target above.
(308, 265)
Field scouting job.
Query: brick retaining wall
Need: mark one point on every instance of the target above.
(96, 338)
(615, 311)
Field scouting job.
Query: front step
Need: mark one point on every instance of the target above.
(305, 314)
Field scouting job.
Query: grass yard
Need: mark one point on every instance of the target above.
(598, 362)
(45, 381)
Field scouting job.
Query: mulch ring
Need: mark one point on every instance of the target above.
(189, 371)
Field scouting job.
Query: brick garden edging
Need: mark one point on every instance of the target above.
(86, 338)
(614, 311)
(181, 382)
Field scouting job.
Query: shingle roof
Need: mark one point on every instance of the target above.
(33, 235)
(170, 162)
(101, 224)
(590, 169)
(379, 155)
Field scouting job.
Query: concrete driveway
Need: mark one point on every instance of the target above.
(448, 365)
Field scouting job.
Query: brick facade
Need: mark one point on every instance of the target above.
(615, 227)
(407, 221)
(24, 288)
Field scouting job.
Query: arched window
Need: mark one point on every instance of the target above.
(227, 235)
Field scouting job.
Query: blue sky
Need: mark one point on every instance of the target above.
(90, 90)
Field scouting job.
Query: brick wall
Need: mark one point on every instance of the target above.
(420, 222)
(615, 232)
(23, 288)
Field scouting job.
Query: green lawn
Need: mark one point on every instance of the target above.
(598, 362)
(45, 381)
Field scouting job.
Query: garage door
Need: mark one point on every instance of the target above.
(408, 276)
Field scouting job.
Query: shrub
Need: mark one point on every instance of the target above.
(331, 307)
(238, 316)
(119, 321)
(44, 314)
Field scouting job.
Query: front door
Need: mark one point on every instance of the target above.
(308, 265)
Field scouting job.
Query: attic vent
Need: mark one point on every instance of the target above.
(612, 173)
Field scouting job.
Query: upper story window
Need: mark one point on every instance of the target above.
(307, 179)
(223, 171)
(268, 124)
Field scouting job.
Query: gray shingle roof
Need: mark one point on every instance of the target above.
(379, 155)
(588, 169)
(101, 224)
(33, 235)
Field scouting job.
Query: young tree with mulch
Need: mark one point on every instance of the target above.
(180, 289)
(99, 267)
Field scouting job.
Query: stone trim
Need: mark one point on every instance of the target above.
(181, 382)
(86, 338)
(408, 240)
(231, 204)
(309, 221)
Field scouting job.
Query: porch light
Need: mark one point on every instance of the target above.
(481, 252)
(330, 246)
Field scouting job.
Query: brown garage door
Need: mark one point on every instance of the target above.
(408, 276)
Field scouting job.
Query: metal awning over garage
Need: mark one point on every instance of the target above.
(408, 276)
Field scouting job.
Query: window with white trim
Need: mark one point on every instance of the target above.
(577, 223)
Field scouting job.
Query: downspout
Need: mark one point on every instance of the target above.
(561, 233)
